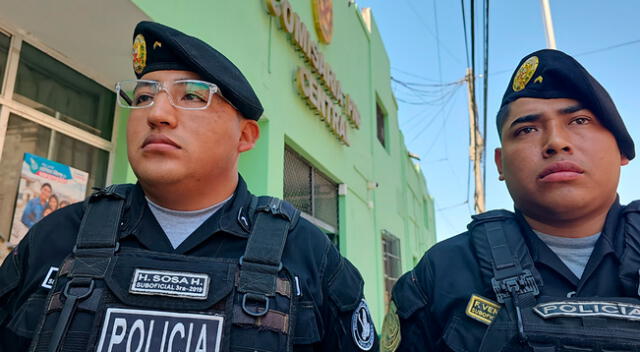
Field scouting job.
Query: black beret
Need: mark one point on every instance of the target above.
(157, 47)
(551, 74)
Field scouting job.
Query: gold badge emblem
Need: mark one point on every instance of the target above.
(482, 309)
(139, 54)
(323, 19)
(390, 330)
(157, 44)
(524, 74)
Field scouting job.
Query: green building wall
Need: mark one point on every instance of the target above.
(253, 39)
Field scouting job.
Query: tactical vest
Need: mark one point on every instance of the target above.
(112, 298)
(530, 321)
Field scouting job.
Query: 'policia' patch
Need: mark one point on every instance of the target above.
(588, 309)
(482, 309)
(170, 283)
(146, 330)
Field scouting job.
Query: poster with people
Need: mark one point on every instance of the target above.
(45, 186)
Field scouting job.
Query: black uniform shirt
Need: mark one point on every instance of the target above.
(432, 298)
(330, 285)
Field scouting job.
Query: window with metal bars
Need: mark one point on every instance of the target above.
(391, 259)
(381, 124)
(312, 192)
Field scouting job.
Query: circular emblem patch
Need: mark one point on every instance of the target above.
(390, 339)
(139, 53)
(323, 19)
(524, 74)
(362, 328)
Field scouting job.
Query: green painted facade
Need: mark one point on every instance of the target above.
(254, 39)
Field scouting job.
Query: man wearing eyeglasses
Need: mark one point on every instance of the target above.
(187, 259)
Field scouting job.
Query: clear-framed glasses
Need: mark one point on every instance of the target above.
(187, 94)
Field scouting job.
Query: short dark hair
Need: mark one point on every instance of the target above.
(46, 184)
(501, 117)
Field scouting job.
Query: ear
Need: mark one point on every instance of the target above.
(623, 160)
(497, 156)
(249, 134)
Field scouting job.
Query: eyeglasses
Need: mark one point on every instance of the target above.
(187, 94)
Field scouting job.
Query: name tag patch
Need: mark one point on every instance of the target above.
(588, 309)
(482, 309)
(50, 278)
(170, 283)
(146, 330)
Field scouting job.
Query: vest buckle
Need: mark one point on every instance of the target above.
(521, 284)
(257, 311)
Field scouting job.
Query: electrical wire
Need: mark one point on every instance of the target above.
(430, 31)
(464, 26)
(485, 86)
(608, 48)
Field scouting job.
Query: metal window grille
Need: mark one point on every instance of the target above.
(311, 192)
(392, 266)
(380, 123)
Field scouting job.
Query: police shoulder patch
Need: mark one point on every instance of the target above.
(391, 336)
(482, 309)
(362, 329)
(139, 53)
(524, 74)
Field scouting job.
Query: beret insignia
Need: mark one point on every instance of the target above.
(139, 54)
(524, 74)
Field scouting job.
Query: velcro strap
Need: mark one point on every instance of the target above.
(95, 267)
(90, 304)
(101, 220)
(283, 287)
(273, 320)
(66, 266)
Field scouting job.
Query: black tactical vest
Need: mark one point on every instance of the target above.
(530, 321)
(112, 298)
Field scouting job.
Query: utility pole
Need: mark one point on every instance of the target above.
(476, 144)
(548, 24)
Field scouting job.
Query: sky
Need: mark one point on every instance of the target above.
(425, 41)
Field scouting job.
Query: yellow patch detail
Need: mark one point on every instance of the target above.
(390, 330)
(538, 79)
(524, 74)
(139, 54)
(482, 309)
(157, 45)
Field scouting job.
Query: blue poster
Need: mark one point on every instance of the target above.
(45, 186)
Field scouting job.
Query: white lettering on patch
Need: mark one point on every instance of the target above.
(50, 278)
(147, 330)
(170, 283)
(616, 310)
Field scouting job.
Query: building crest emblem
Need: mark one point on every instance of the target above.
(323, 19)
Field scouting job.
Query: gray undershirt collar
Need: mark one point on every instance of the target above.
(574, 252)
(179, 225)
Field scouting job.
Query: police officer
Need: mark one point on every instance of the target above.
(561, 272)
(187, 259)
